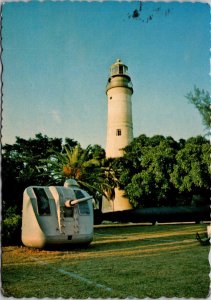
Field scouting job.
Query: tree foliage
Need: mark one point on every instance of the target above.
(11, 227)
(191, 172)
(75, 163)
(159, 171)
(88, 166)
(146, 173)
(22, 166)
(202, 101)
(155, 171)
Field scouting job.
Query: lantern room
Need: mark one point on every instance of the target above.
(118, 68)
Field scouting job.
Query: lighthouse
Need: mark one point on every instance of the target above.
(119, 91)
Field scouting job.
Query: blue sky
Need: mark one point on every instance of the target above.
(57, 55)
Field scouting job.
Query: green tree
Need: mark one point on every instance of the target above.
(131, 163)
(11, 227)
(151, 186)
(21, 167)
(96, 152)
(71, 143)
(191, 172)
(202, 101)
(110, 179)
(70, 163)
(87, 166)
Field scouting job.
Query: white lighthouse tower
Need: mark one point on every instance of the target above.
(119, 90)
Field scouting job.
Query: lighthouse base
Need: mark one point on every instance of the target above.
(119, 203)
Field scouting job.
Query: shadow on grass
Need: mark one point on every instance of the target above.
(131, 238)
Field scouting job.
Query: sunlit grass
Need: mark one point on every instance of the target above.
(137, 261)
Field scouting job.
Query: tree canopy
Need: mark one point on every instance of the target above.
(22, 166)
(202, 101)
(158, 171)
(191, 172)
(154, 171)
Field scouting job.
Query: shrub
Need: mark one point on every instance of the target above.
(11, 227)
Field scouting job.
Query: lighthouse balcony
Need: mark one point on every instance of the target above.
(119, 81)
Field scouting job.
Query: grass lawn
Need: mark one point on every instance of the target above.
(122, 261)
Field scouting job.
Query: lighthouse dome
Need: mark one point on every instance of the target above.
(118, 68)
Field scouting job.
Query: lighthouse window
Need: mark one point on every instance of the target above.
(114, 70)
(120, 69)
(118, 132)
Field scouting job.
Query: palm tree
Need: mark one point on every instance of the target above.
(109, 179)
(71, 163)
(95, 175)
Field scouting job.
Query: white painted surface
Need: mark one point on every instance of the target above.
(119, 90)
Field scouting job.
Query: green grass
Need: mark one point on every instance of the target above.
(137, 261)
